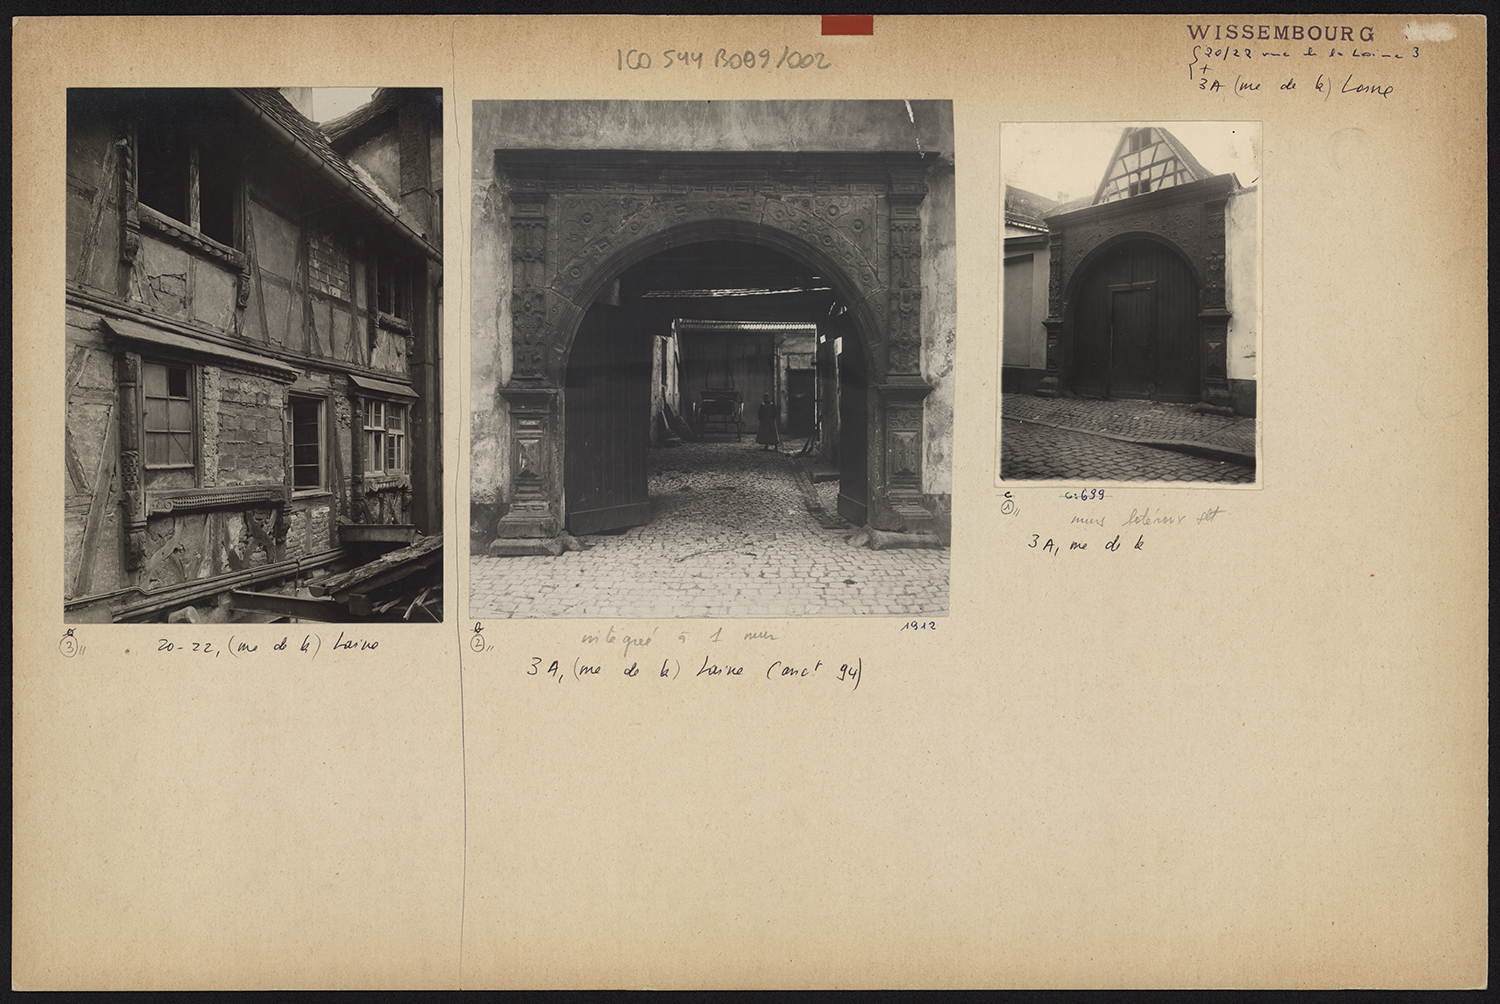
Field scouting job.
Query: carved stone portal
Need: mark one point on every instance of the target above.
(577, 219)
(1188, 217)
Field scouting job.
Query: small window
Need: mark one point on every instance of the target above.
(167, 415)
(307, 443)
(194, 183)
(393, 288)
(385, 437)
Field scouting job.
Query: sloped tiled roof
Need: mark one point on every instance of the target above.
(1082, 202)
(382, 101)
(278, 108)
(1027, 209)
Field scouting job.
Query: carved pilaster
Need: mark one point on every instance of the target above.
(132, 487)
(536, 496)
(1051, 384)
(528, 298)
(1213, 325)
(896, 498)
(130, 218)
(1213, 255)
(1213, 320)
(905, 342)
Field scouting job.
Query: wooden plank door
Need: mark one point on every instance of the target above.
(1132, 348)
(854, 458)
(607, 424)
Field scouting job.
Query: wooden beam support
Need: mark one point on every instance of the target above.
(327, 611)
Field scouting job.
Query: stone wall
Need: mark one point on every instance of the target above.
(251, 442)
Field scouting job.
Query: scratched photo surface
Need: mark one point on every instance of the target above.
(712, 353)
(253, 299)
(1130, 302)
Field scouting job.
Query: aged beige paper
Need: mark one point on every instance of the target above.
(1250, 752)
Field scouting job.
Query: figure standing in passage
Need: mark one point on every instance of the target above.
(766, 435)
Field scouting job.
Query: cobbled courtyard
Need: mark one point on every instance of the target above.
(731, 534)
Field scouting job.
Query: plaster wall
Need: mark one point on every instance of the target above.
(939, 328)
(1026, 344)
(1242, 281)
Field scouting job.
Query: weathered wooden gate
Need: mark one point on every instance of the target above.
(608, 414)
(1135, 326)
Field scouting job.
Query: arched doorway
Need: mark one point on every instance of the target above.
(1134, 323)
(698, 323)
(577, 221)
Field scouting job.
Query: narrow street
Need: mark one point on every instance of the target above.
(731, 535)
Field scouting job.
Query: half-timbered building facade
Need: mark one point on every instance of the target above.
(252, 327)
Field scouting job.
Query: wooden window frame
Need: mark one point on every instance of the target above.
(379, 439)
(170, 219)
(193, 402)
(321, 402)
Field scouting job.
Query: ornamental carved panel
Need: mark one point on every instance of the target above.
(578, 219)
(1182, 226)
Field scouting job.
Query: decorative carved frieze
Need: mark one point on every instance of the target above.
(201, 499)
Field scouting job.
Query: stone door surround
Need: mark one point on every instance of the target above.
(577, 219)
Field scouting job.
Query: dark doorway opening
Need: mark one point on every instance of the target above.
(697, 335)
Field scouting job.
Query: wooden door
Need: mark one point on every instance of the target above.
(1134, 328)
(799, 405)
(1132, 343)
(608, 424)
(854, 460)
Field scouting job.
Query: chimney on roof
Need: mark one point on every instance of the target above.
(1062, 196)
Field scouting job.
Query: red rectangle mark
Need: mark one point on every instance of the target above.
(848, 24)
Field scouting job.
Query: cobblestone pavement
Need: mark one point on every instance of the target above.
(730, 535)
(1040, 451)
(1143, 421)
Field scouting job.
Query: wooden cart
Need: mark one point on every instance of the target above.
(723, 408)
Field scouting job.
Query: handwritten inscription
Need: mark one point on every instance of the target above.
(1153, 517)
(1055, 546)
(238, 647)
(1256, 68)
(721, 59)
(708, 668)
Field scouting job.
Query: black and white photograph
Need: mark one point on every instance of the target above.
(1130, 302)
(712, 358)
(254, 301)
